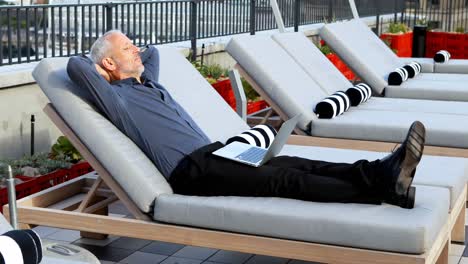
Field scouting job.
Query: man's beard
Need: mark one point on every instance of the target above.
(134, 72)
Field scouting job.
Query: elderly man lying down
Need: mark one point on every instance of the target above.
(123, 82)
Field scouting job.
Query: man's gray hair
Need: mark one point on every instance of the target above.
(101, 46)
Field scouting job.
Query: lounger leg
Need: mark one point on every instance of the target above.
(458, 231)
(444, 255)
(102, 211)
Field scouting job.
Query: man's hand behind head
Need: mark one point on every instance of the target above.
(103, 73)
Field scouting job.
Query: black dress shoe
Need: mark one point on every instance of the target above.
(400, 166)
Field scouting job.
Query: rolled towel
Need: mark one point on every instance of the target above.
(334, 105)
(442, 56)
(259, 135)
(413, 69)
(398, 76)
(20, 246)
(359, 93)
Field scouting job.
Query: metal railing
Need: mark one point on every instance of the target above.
(30, 33)
(448, 15)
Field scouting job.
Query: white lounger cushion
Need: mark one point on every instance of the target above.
(441, 129)
(452, 66)
(324, 73)
(121, 157)
(455, 170)
(430, 90)
(373, 64)
(382, 227)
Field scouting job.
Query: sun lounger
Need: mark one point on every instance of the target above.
(428, 64)
(292, 91)
(321, 232)
(330, 80)
(373, 65)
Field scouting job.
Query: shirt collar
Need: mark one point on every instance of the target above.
(130, 80)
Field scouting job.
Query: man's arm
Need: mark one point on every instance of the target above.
(150, 59)
(84, 73)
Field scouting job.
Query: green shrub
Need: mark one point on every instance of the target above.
(460, 30)
(41, 161)
(325, 49)
(64, 150)
(397, 28)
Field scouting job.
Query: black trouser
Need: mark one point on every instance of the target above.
(204, 174)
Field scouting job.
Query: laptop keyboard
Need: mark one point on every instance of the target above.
(253, 155)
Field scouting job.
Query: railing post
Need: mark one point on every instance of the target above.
(193, 29)
(109, 8)
(297, 14)
(330, 11)
(252, 17)
(450, 13)
(403, 10)
(377, 18)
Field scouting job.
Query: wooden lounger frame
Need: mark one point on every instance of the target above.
(73, 204)
(344, 143)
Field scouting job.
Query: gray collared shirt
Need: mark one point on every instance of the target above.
(145, 112)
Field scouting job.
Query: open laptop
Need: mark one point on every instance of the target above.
(257, 156)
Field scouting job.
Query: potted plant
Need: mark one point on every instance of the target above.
(217, 76)
(43, 170)
(399, 38)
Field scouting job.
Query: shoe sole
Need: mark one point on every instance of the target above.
(411, 196)
(414, 147)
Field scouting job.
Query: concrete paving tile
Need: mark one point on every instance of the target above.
(97, 242)
(118, 208)
(175, 260)
(456, 250)
(107, 253)
(143, 257)
(130, 243)
(162, 248)
(65, 235)
(199, 253)
(45, 231)
(453, 259)
(230, 257)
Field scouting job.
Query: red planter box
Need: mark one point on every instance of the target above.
(33, 185)
(341, 66)
(402, 43)
(224, 89)
(253, 107)
(455, 43)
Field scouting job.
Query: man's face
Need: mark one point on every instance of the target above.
(126, 56)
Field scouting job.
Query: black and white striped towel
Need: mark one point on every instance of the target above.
(359, 93)
(334, 105)
(259, 135)
(442, 56)
(398, 76)
(413, 69)
(20, 246)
